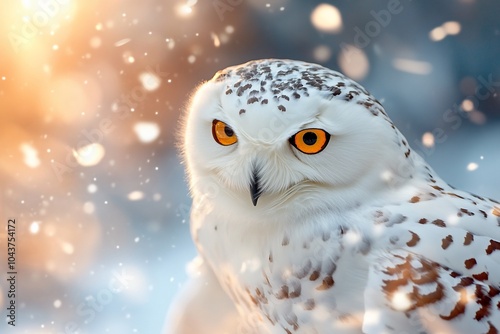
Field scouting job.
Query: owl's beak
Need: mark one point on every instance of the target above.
(255, 188)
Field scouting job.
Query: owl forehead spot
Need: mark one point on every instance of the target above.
(282, 82)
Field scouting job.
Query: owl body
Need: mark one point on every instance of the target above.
(311, 214)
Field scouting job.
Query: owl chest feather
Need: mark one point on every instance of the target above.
(291, 276)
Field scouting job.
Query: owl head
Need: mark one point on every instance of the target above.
(274, 138)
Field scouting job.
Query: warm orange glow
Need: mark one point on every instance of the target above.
(35, 19)
(68, 98)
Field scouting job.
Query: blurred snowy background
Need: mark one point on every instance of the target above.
(90, 97)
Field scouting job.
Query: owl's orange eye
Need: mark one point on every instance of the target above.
(223, 134)
(310, 141)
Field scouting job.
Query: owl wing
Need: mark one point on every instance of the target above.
(443, 273)
(202, 307)
(407, 293)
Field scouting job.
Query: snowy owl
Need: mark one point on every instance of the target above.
(312, 214)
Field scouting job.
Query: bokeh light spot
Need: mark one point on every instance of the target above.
(353, 62)
(146, 132)
(91, 188)
(437, 34)
(149, 81)
(30, 155)
(452, 27)
(216, 39)
(400, 301)
(448, 28)
(67, 248)
(135, 195)
(122, 42)
(34, 227)
(412, 66)
(88, 208)
(428, 139)
(322, 53)
(472, 166)
(327, 18)
(467, 105)
(89, 155)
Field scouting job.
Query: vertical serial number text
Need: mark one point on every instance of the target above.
(12, 271)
